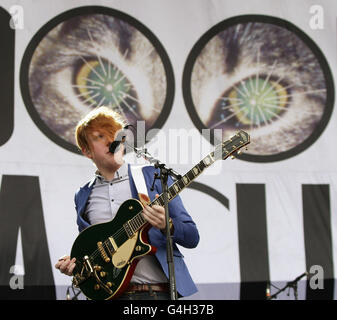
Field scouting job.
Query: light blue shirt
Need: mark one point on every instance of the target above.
(107, 196)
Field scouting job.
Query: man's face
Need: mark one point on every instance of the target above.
(99, 143)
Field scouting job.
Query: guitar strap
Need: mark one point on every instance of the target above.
(138, 178)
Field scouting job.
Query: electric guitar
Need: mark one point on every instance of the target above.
(107, 253)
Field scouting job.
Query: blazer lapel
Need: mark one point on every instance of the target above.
(85, 196)
(134, 192)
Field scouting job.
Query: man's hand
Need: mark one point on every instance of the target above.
(65, 265)
(155, 215)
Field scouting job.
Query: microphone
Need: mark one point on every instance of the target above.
(115, 145)
(120, 139)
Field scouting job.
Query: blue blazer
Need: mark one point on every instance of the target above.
(185, 230)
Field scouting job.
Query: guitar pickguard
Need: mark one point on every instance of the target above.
(123, 254)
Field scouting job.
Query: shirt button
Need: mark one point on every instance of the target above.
(112, 199)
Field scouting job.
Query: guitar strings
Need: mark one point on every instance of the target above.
(117, 236)
(121, 232)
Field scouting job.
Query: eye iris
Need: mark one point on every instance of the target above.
(99, 82)
(257, 101)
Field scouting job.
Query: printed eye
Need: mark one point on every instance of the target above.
(252, 102)
(257, 75)
(80, 61)
(99, 82)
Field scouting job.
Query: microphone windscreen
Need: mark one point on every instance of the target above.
(114, 146)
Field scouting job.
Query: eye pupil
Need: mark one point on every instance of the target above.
(254, 101)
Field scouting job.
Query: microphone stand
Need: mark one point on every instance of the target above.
(164, 173)
(291, 284)
(74, 293)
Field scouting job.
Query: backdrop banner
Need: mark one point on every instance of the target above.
(187, 75)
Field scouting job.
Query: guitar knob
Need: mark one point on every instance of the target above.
(96, 287)
(109, 284)
(102, 274)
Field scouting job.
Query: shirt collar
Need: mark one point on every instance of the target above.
(121, 173)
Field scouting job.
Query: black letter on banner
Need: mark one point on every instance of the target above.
(317, 237)
(7, 40)
(21, 207)
(253, 242)
(211, 192)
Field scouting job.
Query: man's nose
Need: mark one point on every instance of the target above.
(108, 142)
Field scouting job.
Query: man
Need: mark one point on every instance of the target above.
(99, 200)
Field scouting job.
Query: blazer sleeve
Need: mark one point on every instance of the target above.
(185, 230)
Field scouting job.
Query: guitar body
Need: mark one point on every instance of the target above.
(106, 257)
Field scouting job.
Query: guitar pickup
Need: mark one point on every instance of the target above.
(113, 243)
(128, 229)
(110, 247)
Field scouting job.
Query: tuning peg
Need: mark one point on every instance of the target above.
(233, 157)
(239, 152)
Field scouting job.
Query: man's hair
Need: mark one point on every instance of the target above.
(100, 119)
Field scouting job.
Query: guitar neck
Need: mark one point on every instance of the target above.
(185, 180)
(138, 221)
(222, 151)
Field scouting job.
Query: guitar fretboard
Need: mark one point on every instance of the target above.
(137, 222)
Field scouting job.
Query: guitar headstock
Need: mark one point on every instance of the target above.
(233, 145)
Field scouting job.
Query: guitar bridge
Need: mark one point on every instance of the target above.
(103, 252)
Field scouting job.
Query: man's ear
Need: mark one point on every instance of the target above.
(87, 153)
